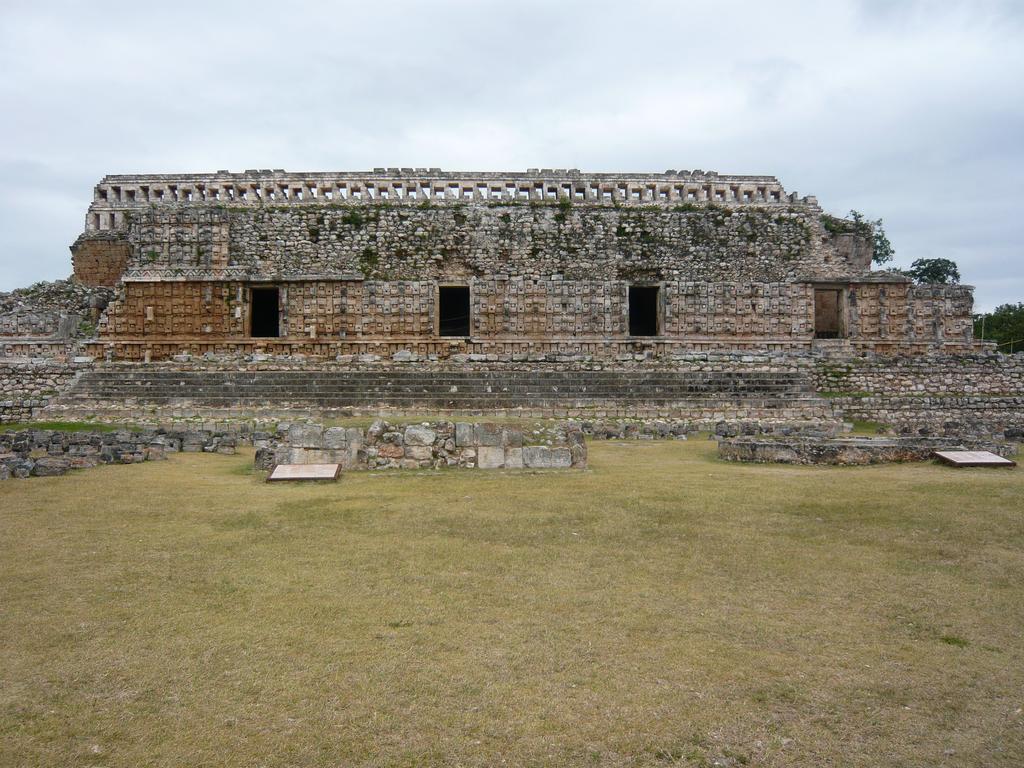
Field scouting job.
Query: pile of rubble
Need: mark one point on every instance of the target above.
(59, 296)
(48, 452)
(63, 309)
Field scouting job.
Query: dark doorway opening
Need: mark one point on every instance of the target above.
(453, 310)
(643, 310)
(266, 317)
(827, 316)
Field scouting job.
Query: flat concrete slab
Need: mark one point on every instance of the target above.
(327, 472)
(973, 459)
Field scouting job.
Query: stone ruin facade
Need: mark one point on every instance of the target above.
(639, 305)
(535, 265)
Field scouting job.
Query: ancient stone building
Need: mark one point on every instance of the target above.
(545, 264)
(653, 304)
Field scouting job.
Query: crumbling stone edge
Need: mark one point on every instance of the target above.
(429, 444)
(49, 452)
(848, 450)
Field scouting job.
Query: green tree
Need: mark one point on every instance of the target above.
(934, 272)
(882, 251)
(1004, 325)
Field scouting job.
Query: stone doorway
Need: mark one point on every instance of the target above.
(828, 319)
(266, 313)
(643, 310)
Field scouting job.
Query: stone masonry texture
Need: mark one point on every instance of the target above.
(548, 257)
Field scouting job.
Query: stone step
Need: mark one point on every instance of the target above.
(447, 390)
(461, 388)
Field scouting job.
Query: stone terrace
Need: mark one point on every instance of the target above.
(705, 396)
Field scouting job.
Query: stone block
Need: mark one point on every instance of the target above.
(488, 434)
(49, 466)
(193, 442)
(418, 435)
(306, 436)
(390, 451)
(375, 430)
(542, 457)
(514, 458)
(490, 457)
(578, 454)
(465, 434)
(318, 456)
(418, 452)
(513, 438)
(335, 437)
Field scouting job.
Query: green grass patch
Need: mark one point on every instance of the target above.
(660, 608)
(959, 642)
(867, 428)
(66, 426)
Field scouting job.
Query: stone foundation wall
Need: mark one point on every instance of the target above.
(27, 387)
(845, 451)
(41, 453)
(428, 445)
(956, 395)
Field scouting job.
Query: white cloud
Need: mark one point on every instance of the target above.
(911, 111)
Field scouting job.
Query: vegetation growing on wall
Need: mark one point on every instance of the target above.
(882, 251)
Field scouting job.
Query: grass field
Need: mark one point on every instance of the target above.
(661, 608)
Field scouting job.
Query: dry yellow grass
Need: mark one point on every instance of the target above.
(660, 609)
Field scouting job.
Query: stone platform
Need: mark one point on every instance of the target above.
(844, 450)
(706, 396)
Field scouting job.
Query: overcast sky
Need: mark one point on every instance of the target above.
(908, 111)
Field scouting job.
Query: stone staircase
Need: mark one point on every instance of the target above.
(698, 394)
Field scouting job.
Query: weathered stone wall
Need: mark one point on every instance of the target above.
(962, 394)
(100, 259)
(27, 387)
(549, 256)
(427, 445)
(845, 451)
(517, 315)
(992, 374)
(116, 197)
(577, 242)
(892, 315)
(62, 309)
(507, 309)
(44, 452)
(34, 324)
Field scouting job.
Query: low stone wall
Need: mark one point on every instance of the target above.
(46, 452)
(845, 451)
(968, 395)
(680, 429)
(954, 416)
(27, 387)
(989, 374)
(433, 444)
